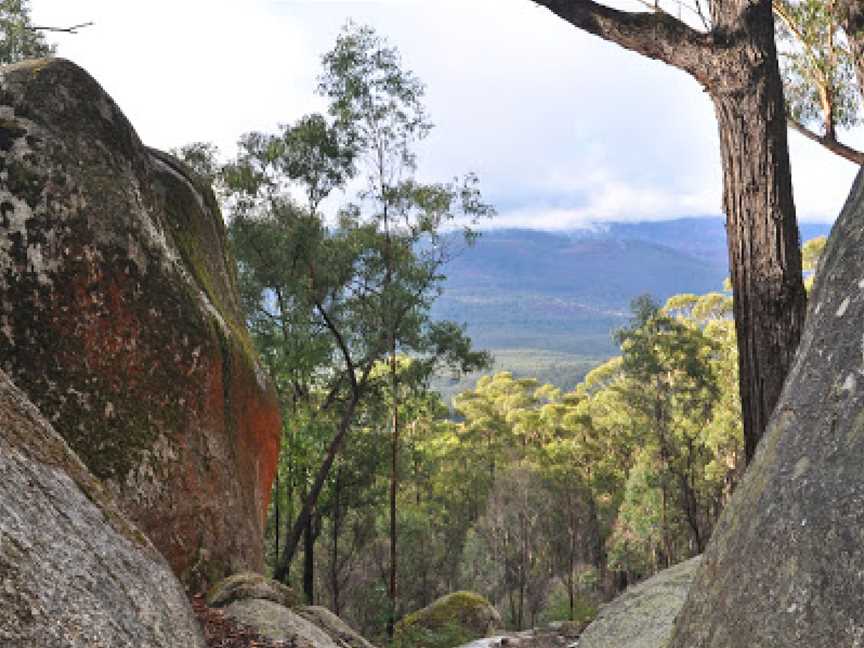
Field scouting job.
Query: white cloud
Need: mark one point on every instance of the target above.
(554, 121)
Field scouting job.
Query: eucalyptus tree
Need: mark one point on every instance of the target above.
(729, 49)
(851, 14)
(671, 389)
(378, 105)
(821, 47)
(19, 38)
(339, 295)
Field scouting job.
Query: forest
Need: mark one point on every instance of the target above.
(545, 502)
(548, 501)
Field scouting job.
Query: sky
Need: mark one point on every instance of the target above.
(562, 128)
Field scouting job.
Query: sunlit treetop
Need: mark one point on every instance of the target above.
(18, 38)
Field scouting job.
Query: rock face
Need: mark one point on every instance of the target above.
(73, 571)
(784, 566)
(119, 318)
(643, 616)
(265, 606)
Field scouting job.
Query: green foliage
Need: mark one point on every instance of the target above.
(585, 610)
(202, 158)
(811, 252)
(376, 102)
(330, 296)
(18, 39)
(450, 621)
(447, 635)
(817, 65)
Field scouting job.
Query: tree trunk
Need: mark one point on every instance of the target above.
(596, 553)
(309, 561)
(761, 229)
(394, 487)
(336, 603)
(737, 64)
(293, 539)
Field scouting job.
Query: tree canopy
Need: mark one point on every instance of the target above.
(19, 39)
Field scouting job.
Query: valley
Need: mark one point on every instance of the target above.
(546, 303)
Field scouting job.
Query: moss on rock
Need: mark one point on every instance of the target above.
(450, 621)
(249, 585)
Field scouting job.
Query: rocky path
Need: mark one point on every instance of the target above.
(551, 636)
(220, 632)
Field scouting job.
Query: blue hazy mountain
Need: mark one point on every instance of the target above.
(703, 238)
(553, 299)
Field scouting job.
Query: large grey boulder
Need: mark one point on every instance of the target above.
(120, 320)
(785, 565)
(278, 623)
(336, 628)
(73, 571)
(643, 616)
(249, 585)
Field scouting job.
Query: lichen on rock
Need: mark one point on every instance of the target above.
(336, 628)
(119, 317)
(278, 623)
(246, 585)
(784, 565)
(73, 571)
(642, 616)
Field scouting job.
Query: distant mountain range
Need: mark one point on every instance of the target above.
(557, 296)
(703, 238)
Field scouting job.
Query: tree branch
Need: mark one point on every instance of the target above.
(66, 30)
(656, 34)
(852, 154)
(343, 347)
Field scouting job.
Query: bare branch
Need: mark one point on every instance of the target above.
(838, 148)
(695, 9)
(66, 30)
(656, 34)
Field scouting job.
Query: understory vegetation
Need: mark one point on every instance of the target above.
(544, 502)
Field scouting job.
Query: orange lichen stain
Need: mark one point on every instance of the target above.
(259, 430)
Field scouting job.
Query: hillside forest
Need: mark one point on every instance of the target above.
(543, 420)
(545, 500)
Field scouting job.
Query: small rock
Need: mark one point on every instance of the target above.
(248, 585)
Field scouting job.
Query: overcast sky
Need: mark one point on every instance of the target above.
(562, 128)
